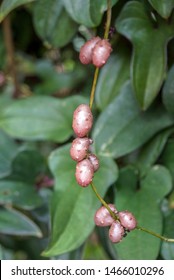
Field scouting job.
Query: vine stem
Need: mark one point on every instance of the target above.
(108, 21)
(113, 215)
(93, 87)
(106, 35)
(166, 239)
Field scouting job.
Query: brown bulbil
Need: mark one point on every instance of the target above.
(116, 232)
(82, 120)
(95, 162)
(102, 216)
(84, 172)
(85, 54)
(127, 220)
(79, 148)
(101, 53)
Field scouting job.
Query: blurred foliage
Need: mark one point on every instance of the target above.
(43, 213)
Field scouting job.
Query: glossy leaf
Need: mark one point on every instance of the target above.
(152, 151)
(8, 150)
(19, 187)
(19, 194)
(167, 157)
(73, 207)
(9, 5)
(163, 7)
(88, 12)
(52, 23)
(15, 223)
(168, 92)
(27, 166)
(144, 203)
(40, 118)
(123, 127)
(149, 50)
(111, 79)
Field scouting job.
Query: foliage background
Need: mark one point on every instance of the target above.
(43, 213)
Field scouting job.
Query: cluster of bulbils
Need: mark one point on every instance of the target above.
(97, 52)
(87, 163)
(124, 222)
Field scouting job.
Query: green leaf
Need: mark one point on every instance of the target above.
(27, 166)
(15, 223)
(144, 204)
(163, 7)
(73, 207)
(8, 150)
(122, 127)
(149, 39)
(111, 79)
(167, 157)
(9, 5)
(53, 82)
(19, 194)
(52, 23)
(158, 182)
(40, 118)
(167, 249)
(88, 12)
(6, 254)
(19, 186)
(152, 150)
(168, 92)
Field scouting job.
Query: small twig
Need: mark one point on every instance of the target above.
(8, 38)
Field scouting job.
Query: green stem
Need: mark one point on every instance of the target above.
(113, 215)
(93, 87)
(155, 234)
(106, 34)
(108, 21)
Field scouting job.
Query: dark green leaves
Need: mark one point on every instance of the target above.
(167, 249)
(88, 12)
(123, 127)
(73, 207)
(15, 223)
(152, 150)
(167, 157)
(144, 203)
(19, 187)
(8, 5)
(8, 150)
(112, 78)
(40, 118)
(52, 23)
(168, 92)
(149, 39)
(163, 7)
(19, 194)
